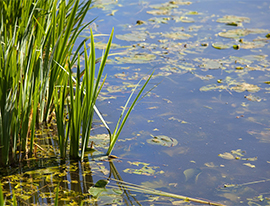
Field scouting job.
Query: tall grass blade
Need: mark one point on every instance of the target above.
(56, 195)
(121, 121)
(2, 202)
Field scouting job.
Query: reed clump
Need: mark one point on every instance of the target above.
(37, 61)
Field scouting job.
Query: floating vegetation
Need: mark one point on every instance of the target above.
(163, 141)
(213, 71)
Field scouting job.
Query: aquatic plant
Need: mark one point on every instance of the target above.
(35, 37)
(122, 119)
(37, 62)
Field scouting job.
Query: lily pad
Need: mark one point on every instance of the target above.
(145, 170)
(180, 2)
(237, 33)
(246, 87)
(219, 45)
(227, 156)
(249, 165)
(163, 141)
(134, 36)
(176, 35)
(233, 20)
(158, 12)
(163, 20)
(166, 6)
(212, 87)
(106, 196)
(140, 58)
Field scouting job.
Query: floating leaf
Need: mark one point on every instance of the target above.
(158, 12)
(253, 98)
(249, 165)
(137, 163)
(233, 20)
(163, 20)
(210, 164)
(241, 60)
(238, 152)
(140, 58)
(180, 2)
(176, 35)
(134, 36)
(154, 184)
(252, 45)
(145, 170)
(219, 45)
(212, 87)
(166, 6)
(163, 141)
(227, 156)
(246, 87)
(101, 183)
(237, 33)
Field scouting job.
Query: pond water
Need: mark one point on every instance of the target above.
(203, 128)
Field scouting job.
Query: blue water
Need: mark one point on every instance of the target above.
(213, 122)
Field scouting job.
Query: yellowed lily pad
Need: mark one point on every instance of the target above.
(231, 19)
(249, 165)
(227, 156)
(180, 2)
(219, 45)
(163, 141)
(212, 87)
(237, 33)
(246, 87)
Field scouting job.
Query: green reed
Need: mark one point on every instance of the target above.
(34, 35)
(80, 103)
(37, 56)
(123, 118)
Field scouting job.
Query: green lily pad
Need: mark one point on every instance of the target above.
(163, 141)
(101, 193)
